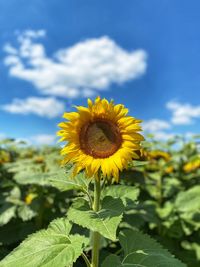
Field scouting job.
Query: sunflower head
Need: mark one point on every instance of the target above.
(169, 169)
(29, 198)
(192, 166)
(39, 160)
(100, 137)
(158, 154)
(4, 157)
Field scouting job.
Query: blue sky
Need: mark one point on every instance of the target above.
(54, 54)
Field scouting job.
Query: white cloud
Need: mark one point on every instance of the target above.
(2, 136)
(183, 113)
(161, 135)
(154, 125)
(80, 70)
(165, 136)
(45, 107)
(31, 34)
(43, 139)
(10, 49)
(157, 127)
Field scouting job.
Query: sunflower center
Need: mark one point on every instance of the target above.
(100, 138)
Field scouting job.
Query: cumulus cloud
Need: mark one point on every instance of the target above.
(77, 71)
(2, 135)
(154, 125)
(162, 135)
(183, 113)
(31, 34)
(43, 139)
(10, 49)
(158, 128)
(42, 106)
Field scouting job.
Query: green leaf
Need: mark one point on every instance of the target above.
(47, 248)
(26, 171)
(26, 213)
(137, 163)
(166, 210)
(64, 182)
(24, 165)
(7, 212)
(114, 261)
(189, 201)
(140, 250)
(42, 179)
(192, 246)
(104, 221)
(14, 195)
(121, 191)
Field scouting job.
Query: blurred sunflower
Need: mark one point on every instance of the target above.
(39, 159)
(169, 169)
(4, 157)
(192, 165)
(29, 198)
(100, 137)
(158, 154)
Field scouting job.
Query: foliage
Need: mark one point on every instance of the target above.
(140, 250)
(157, 197)
(169, 208)
(52, 247)
(104, 221)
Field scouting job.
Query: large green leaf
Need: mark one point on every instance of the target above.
(41, 178)
(26, 171)
(65, 182)
(189, 201)
(124, 192)
(47, 248)
(188, 205)
(140, 250)
(104, 221)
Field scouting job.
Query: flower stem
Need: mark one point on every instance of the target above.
(96, 236)
(86, 259)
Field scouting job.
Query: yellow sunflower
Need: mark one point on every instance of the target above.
(100, 137)
(29, 198)
(158, 154)
(192, 165)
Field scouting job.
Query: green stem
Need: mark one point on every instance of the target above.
(89, 198)
(160, 200)
(159, 185)
(96, 236)
(86, 259)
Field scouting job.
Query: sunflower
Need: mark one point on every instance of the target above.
(169, 169)
(158, 154)
(4, 157)
(192, 165)
(100, 137)
(29, 198)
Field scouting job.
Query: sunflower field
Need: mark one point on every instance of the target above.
(109, 199)
(163, 203)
